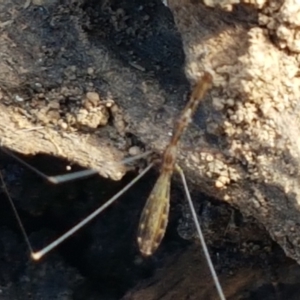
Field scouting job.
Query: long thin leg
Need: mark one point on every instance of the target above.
(39, 254)
(69, 176)
(51, 246)
(201, 236)
(24, 233)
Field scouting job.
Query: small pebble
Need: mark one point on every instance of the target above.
(90, 71)
(134, 150)
(93, 96)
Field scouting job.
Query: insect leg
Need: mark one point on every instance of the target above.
(201, 236)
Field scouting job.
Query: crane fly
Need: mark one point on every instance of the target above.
(154, 217)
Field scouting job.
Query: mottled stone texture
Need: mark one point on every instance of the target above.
(253, 111)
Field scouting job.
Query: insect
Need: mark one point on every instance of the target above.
(154, 217)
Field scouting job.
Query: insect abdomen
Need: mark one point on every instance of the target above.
(154, 218)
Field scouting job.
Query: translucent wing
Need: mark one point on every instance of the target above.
(154, 218)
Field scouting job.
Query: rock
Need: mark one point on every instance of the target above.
(243, 145)
(253, 118)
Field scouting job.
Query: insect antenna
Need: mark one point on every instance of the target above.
(200, 234)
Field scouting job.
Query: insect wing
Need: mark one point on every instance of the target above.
(154, 218)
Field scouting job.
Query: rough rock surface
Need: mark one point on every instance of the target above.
(82, 81)
(102, 261)
(252, 113)
(176, 280)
